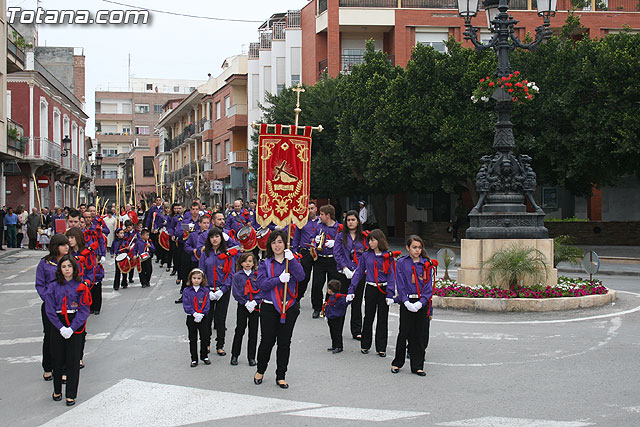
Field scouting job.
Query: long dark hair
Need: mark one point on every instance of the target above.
(56, 241)
(345, 229)
(215, 231)
(78, 235)
(243, 258)
(414, 238)
(273, 236)
(378, 235)
(74, 264)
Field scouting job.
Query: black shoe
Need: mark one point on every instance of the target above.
(47, 378)
(125, 286)
(257, 381)
(2, 249)
(357, 337)
(57, 398)
(157, 261)
(71, 402)
(178, 301)
(206, 361)
(194, 363)
(115, 288)
(173, 273)
(168, 269)
(382, 354)
(394, 370)
(364, 350)
(97, 312)
(131, 280)
(221, 352)
(282, 384)
(331, 348)
(252, 362)
(336, 350)
(81, 365)
(234, 360)
(408, 355)
(315, 314)
(420, 373)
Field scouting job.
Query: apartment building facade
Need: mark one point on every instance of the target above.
(334, 32)
(128, 141)
(206, 135)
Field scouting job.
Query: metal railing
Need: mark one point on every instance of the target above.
(323, 67)
(13, 48)
(254, 50)
(237, 157)
(348, 61)
(15, 136)
(205, 125)
(265, 40)
(294, 19)
(43, 149)
(369, 3)
(237, 109)
(74, 163)
(277, 31)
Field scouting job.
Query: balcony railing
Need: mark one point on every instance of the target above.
(43, 149)
(277, 32)
(15, 136)
(17, 52)
(323, 66)
(348, 61)
(254, 50)
(369, 3)
(265, 40)
(205, 125)
(294, 19)
(238, 157)
(237, 109)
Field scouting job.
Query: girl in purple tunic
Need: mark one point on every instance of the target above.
(45, 275)
(196, 303)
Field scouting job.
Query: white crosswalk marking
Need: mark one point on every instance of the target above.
(357, 414)
(513, 422)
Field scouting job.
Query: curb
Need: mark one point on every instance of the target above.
(524, 304)
(605, 272)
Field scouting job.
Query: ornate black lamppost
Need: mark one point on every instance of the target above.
(504, 181)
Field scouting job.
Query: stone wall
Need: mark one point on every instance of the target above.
(623, 233)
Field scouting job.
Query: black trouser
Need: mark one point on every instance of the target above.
(412, 329)
(243, 317)
(131, 274)
(272, 331)
(33, 242)
(48, 329)
(66, 360)
(191, 265)
(117, 281)
(217, 317)
(145, 274)
(1, 234)
(356, 304)
(375, 301)
(324, 270)
(96, 296)
(335, 329)
(185, 264)
(154, 240)
(307, 265)
(176, 256)
(195, 328)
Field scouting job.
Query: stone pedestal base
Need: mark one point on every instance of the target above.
(475, 251)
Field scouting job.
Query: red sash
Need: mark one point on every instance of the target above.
(85, 298)
(204, 303)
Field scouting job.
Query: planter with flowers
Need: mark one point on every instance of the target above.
(513, 86)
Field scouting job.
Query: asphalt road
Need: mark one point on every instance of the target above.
(565, 369)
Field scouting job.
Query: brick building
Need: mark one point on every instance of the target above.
(207, 133)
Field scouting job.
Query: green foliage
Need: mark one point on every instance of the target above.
(564, 251)
(509, 267)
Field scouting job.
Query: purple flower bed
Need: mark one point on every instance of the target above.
(566, 287)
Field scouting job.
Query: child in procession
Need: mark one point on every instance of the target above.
(195, 301)
(246, 292)
(335, 309)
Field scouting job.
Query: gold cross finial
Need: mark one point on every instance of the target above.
(299, 89)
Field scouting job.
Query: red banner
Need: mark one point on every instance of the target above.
(283, 177)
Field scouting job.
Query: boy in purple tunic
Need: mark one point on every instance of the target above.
(335, 308)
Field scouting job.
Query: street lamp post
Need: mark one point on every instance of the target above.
(504, 180)
(66, 145)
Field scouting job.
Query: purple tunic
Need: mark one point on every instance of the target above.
(344, 255)
(241, 291)
(196, 240)
(336, 306)
(269, 281)
(370, 263)
(76, 302)
(408, 273)
(303, 237)
(45, 274)
(214, 269)
(187, 218)
(142, 246)
(201, 298)
(330, 233)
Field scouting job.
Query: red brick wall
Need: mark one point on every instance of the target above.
(78, 77)
(309, 52)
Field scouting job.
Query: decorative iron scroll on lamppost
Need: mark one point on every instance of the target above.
(504, 180)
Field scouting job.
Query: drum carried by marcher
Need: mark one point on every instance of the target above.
(247, 237)
(263, 235)
(124, 262)
(164, 240)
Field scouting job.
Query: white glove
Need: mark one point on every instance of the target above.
(225, 235)
(349, 297)
(348, 273)
(285, 277)
(212, 295)
(102, 259)
(329, 243)
(288, 254)
(66, 332)
(197, 317)
(410, 306)
(389, 301)
(417, 305)
(250, 305)
(318, 238)
(217, 295)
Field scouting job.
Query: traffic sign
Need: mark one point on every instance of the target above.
(43, 181)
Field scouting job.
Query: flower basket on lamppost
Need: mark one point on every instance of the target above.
(504, 181)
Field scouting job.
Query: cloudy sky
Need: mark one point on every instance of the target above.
(169, 46)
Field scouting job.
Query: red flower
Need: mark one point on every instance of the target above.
(503, 79)
(529, 97)
(509, 90)
(481, 80)
(516, 72)
(491, 84)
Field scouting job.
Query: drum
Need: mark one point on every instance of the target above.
(263, 235)
(124, 262)
(247, 237)
(144, 256)
(164, 240)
